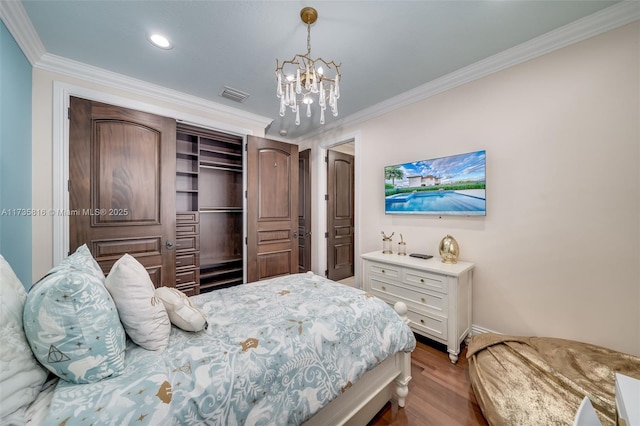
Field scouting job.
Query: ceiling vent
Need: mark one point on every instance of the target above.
(234, 94)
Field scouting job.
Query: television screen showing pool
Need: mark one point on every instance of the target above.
(453, 185)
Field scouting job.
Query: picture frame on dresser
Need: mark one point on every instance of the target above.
(438, 295)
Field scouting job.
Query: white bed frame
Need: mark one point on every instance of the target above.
(360, 403)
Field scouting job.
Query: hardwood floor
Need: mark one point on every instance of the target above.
(439, 393)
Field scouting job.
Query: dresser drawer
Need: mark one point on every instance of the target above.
(187, 229)
(187, 278)
(424, 300)
(187, 217)
(188, 260)
(188, 243)
(189, 290)
(430, 325)
(421, 279)
(388, 271)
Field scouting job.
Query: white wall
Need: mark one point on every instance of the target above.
(558, 253)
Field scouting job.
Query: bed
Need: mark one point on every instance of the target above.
(542, 381)
(297, 349)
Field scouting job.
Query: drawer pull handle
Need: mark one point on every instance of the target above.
(383, 271)
(421, 321)
(423, 300)
(384, 288)
(422, 280)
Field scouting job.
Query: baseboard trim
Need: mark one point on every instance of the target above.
(476, 329)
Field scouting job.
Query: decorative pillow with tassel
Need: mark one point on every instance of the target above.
(182, 311)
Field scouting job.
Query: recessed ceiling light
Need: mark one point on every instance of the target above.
(160, 41)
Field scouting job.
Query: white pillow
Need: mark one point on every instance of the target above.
(143, 316)
(21, 375)
(182, 312)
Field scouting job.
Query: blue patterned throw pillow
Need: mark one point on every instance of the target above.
(72, 326)
(82, 260)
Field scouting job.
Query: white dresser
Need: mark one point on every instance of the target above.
(437, 294)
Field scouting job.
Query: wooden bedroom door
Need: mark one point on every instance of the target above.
(122, 171)
(340, 215)
(272, 208)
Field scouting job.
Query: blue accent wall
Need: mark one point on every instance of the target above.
(15, 156)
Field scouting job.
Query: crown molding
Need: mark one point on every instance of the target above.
(600, 22)
(71, 68)
(19, 25)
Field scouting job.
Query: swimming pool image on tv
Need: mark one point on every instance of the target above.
(452, 185)
(444, 202)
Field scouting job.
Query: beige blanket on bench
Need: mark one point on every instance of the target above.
(541, 381)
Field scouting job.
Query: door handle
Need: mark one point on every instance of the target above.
(295, 234)
(169, 245)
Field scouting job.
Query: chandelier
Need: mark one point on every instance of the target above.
(302, 79)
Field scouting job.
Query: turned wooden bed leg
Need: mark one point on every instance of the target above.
(402, 381)
(402, 390)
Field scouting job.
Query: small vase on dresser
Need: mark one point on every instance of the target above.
(437, 294)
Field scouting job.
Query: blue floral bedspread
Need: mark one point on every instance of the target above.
(275, 353)
(141, 395)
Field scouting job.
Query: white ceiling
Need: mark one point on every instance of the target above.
(385, 47)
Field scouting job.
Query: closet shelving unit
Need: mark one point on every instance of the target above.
(212, 189)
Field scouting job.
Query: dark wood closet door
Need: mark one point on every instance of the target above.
(122, 172)
(272, 208)
(340, 214)
(304, 211)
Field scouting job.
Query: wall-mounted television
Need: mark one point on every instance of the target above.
(453, 185)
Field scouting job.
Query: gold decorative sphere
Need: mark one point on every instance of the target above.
(449, 249)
